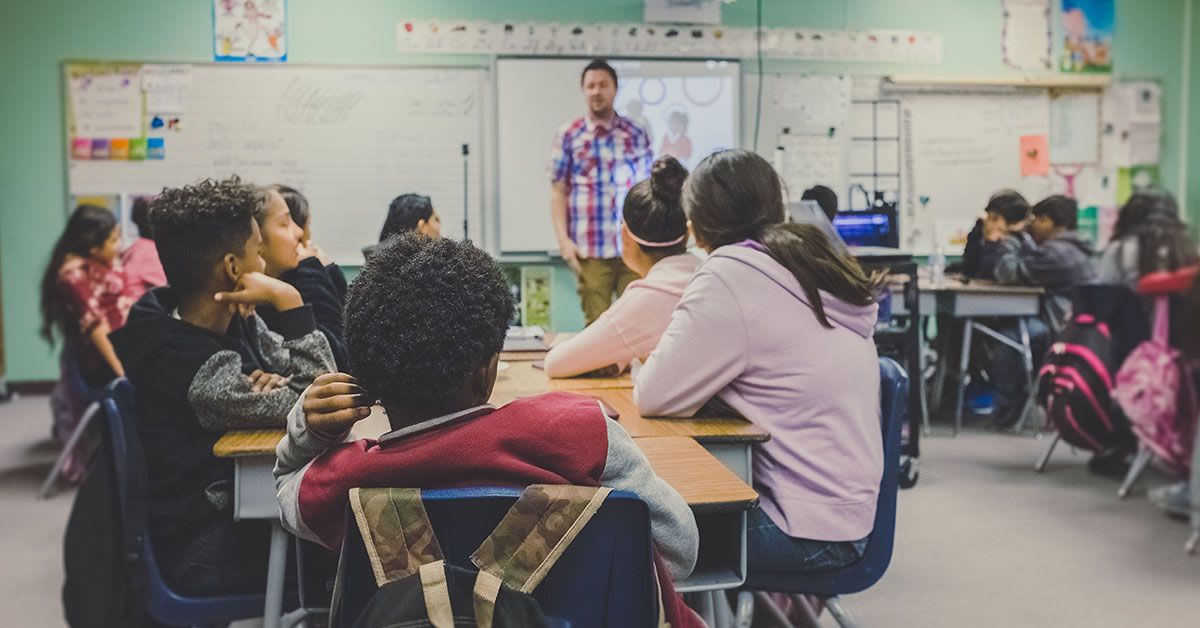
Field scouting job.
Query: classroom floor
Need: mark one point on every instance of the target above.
(982, 540)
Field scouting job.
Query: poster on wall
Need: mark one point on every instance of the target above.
(250, 30)
(1025, 38)
(1087, 27)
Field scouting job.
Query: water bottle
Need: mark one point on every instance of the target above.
(937, 267)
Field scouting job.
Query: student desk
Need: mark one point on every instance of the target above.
(718, 498)
(729, 440)
(524, 378)
(969, 301)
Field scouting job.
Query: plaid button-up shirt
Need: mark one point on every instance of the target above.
(599, 161)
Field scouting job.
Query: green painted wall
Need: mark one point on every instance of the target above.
(35, 37)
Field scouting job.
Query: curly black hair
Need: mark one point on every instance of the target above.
(422, 316)
(196, 225)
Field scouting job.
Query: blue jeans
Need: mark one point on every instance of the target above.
(771, 549)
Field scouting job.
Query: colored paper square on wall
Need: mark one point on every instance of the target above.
(118, 149)
(81, 148)
(137, 149)
(1035, 156)
(99, 149)
(155, 148)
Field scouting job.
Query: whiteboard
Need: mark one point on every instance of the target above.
(349, 138)
(957, 150)
(536, 97)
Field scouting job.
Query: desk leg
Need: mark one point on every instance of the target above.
(964, 364)
(1027, 356)
(276, 574)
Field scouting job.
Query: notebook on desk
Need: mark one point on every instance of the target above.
(531, 338)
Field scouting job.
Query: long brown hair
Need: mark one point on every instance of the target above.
(87, 228)
(735, 195)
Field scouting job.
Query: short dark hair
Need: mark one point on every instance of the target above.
(404, 212)
(599, 64)
(1010, 205)
(139, 215)
(1061, 210)
(296, 203)
(196, 225)
(824, 197)
(422, 316)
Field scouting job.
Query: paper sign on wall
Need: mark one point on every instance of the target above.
(250, 30)
(1025, 40)
(1035, 156)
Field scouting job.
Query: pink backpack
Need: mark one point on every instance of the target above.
(1156, 390)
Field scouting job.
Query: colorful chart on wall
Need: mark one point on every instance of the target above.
(1087, 27)
(250, 30)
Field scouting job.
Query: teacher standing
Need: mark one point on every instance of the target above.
(594, 161)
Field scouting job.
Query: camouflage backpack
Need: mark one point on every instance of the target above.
(417, 588)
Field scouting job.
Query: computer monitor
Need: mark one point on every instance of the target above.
(872, 227)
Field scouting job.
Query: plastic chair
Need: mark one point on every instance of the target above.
(893, 394)
(162, 603)
(605, 579)
(75, 385)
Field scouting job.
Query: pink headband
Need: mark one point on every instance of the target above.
(654, 244)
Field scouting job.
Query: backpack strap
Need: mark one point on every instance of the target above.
(535, 532)
(396, 531)
(1162, 320)
(437, 595)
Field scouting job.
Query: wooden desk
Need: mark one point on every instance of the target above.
(718, 498)
(730, 440)
(522, 379)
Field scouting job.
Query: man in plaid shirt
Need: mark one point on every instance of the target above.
(593, 163)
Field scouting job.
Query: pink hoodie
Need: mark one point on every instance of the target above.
(632, 326)
(744, 330)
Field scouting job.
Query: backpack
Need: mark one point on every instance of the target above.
(417, 588)
(1156, 389)
(1074, 387)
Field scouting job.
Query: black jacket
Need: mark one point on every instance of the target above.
(190, 387)
(323, 288)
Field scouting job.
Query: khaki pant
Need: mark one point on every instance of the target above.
(600, 281)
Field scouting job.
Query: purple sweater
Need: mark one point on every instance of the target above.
(744, 330)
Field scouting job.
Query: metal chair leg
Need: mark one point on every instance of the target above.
(963, 378)
(1045, 459)
(51, 481)
(840, 613)
(1193, 542)
(1135, 470)
(745, 609)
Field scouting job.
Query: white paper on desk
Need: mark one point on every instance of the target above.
(1075, 128)
(1026, 34)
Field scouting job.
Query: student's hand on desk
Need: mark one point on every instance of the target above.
(260, 289)
(262, 381)
(334, 403)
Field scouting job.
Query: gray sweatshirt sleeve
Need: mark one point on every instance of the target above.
(301, 353)
(672, 523)
(293, 456)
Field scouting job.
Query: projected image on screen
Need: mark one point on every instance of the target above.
(688, 113)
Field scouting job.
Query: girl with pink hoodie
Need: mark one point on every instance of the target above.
(777, 326)
(654, 245)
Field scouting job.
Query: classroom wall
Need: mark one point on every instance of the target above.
(35, 37)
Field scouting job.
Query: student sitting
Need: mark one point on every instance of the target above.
(777, 326)
(407, 212)
(653, 245)
(425, 323)
(83, 299)
(1006, 213)
(825, 198)
(1058, 262)
(200, 367)
(1148, 236)
(299, 262)
(143, 271)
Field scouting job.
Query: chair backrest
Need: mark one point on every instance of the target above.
(893, 399)
(604, 579)
(129, 462)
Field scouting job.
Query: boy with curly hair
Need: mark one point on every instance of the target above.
(201, 364)
(425, 323)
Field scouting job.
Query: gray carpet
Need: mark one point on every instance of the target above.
(981, 541)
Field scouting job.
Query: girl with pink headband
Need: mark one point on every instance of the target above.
(654, 245)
